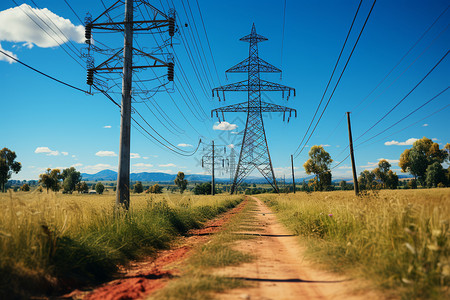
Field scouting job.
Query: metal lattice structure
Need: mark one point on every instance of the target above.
(254, 149)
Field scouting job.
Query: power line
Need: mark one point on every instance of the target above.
(440, 93)
(342, 73)
(79, 19)
(207, 40)
(331, 77)
(42, 73)
(401, 100)
(47, 31)
(403, 57)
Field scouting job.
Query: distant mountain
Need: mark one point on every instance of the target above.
(109, 175)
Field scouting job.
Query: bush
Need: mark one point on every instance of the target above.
(99, 188)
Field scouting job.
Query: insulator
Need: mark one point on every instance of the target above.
(203, 164)
(170, 71)
(171, 26)
(223, 163)
(88, 33)
(90, 77)
(284, 116)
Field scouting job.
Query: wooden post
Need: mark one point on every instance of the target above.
(355, 178)
(293, 176)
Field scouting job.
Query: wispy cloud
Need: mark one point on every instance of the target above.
(104, 153)
(405, 143)
(64, 153)
(167, 165)
(135, 155)
(107, 126)
(184, 145)
(97, 168)
(425, 125)
(224, 126)
(47, 151)
(6, 58)
(375, 164)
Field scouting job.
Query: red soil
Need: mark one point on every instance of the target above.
(141, 278)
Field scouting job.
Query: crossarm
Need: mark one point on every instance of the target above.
(244, 107)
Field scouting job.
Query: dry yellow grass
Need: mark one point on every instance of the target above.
(398, 238)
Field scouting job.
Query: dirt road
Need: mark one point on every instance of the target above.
(279, 272)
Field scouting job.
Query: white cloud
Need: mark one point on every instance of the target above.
(184, 145)
(21, 25)
(167, 165)
(224, 126)
(231, 146)
(97, 168)
(425, 125)
(135, 155)
(105, 153)
(46, 150)
(145, 157)
(375, 164)
(234, 132)
(435, 139)
(325, 145)
(6, 58)
(142, 165)
(107, 126)
(345, 167)
(74, 156)
(405, 143)
(64, 153)
(76, 165)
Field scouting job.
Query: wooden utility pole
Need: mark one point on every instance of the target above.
(355, 178)
(293, 176)
(212, 176)
(123, 176)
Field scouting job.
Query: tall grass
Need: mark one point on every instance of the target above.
(50, 242)
(398, 239)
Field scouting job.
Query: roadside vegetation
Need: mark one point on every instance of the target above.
(398, 239)
(198, 280)
(51, 242)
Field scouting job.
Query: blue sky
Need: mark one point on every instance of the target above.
(51, 125)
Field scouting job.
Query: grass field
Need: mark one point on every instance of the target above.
(398, 239)
(49, 242)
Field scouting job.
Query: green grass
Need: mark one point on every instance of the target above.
(52, 242)
(198, 280)
(398, 239)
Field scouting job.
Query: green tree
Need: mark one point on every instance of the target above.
(343, 185)
(366, 180)
(8, 166)
(181, 182)
(138, 187)
(391, 180)
(422, 154)
(435, 174)
(82, 187)
(50, 179)
(319, 164)
(154, 189)
(99, 188)
(71, 177)
(203, 189)
(25, 187)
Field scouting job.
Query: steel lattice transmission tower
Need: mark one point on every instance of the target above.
(254, 149)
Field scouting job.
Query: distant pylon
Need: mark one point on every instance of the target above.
(254, 150)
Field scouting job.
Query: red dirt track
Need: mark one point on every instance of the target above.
(140, 278)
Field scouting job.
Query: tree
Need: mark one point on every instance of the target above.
(154, 189)
(319, 164)
(422, 154)
(50, 179)
(8, 166)
(203, 189)
(343, 185)
(366, 180)
(70, 178)
(99, 188)
(435, 174)
(25, 187)
(138, 187)
(82, 187)
(391, 180)
(181, 182)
